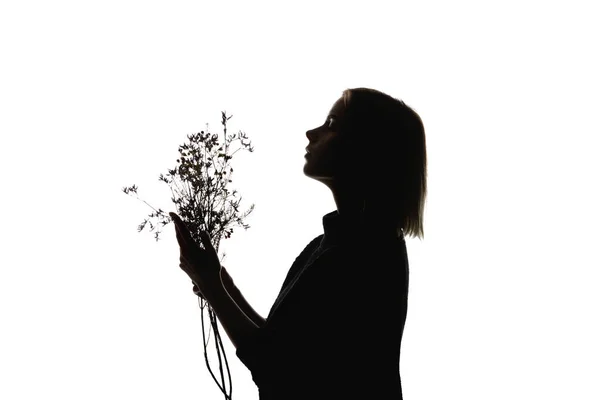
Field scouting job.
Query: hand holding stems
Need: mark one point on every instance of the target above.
(202, 265)
(204, 268)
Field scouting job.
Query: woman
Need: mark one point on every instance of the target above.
(334, 332)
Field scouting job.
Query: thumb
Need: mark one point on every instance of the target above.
(204, 236)
(206, 242)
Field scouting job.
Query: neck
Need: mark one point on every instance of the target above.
(348, 200)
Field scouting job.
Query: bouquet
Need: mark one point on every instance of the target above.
(199, 186)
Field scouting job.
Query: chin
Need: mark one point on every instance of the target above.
(323, 178)
(318, 172)
(309, 170)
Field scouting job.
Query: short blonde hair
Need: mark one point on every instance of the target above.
(395, 177)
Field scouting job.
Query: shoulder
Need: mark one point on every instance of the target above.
(379, 264)
(390, 251)
(313, 244)
(302, 258)
(309, 250)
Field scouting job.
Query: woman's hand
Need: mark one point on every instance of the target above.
(201, 265)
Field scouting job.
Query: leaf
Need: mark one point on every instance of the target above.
(142, 225)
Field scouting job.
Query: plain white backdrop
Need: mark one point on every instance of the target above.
(94, 96)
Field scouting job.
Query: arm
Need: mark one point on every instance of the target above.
(236, 323)
(237, 297)
(240, 300)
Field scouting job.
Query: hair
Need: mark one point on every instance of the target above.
(387, 148)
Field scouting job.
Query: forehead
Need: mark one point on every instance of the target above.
(338, 107)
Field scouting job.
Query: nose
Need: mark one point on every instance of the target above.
(311, 135)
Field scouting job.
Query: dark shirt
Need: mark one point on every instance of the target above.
(335, 329)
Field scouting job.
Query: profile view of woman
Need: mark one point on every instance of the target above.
(335, 330)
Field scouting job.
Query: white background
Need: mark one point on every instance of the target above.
(95, 96)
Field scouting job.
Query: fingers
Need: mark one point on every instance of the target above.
(183, 264)
(177, 221)
(186, 243)
(185, 237)
(183, 244)
(190, 252)
(181, 231)
(197, 291)
(208, 244)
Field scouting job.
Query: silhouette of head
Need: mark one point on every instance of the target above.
(371, 148)
(323, 153)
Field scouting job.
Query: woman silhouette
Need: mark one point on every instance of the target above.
(334, 331)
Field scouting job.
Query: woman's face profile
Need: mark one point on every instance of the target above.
(323, 156)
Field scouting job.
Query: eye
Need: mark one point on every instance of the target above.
(331, 122)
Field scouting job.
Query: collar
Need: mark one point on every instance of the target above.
(344, 229)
